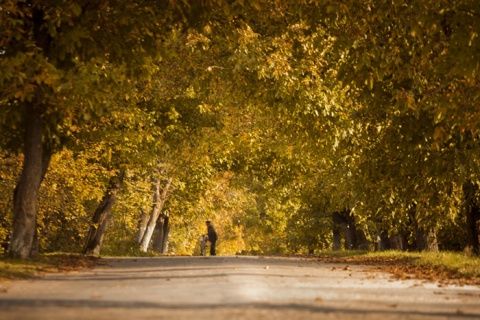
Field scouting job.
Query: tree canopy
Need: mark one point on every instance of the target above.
(294, 126)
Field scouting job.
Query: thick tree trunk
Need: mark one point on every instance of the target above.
(426, 240)
(348, 245)
(398, 242)
(337, 238)
(362, 242)
(24, 236)
(431, 241)
(383, 241)
(473, 215)
(46, 157)
(346, 222)
(102, 215)
(160, 236)
(23, 240)
(352, 230)
(158, 201)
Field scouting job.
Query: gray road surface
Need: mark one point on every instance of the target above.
(232, 288)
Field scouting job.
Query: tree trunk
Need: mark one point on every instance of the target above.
(346, 222)
(472, 209)
(348, 245)
(337, 238)
(383, 241)
(166, 234)
(352, 230)
(160, 236)
(431, 241)
(473, 215)
(397, 242)
(159, 200)
(362, 242)
(426, 240)
(142, 226)
(102, 215)
(23, 240)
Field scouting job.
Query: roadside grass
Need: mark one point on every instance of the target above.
(444, 267)
(11, 269)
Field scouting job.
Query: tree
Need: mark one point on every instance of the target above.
(309, 107)
(159, 198)
(102, 215)
(61, 63)
(412, 70)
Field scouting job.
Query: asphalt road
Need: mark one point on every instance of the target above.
(232, 288)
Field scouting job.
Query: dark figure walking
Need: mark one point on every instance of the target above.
(212, 237)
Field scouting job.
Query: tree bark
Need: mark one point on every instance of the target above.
(158, 201)
(397, 242)
(142, 226)
(473, 215)
(472, 209)
(346, 222)
(431, 240)
(23, 240)
(362, 242)
(383, 241)
(426, 240)
(160, 235)
(24, 236)
(102, 215)
(337, 238)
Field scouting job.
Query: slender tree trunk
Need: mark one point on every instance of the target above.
(156, 209)
(160, 236)
(23, 240)
(472, 209)
(431, 240)
(102, 215)
(142, 226)
(473, 215)
(166, 233)
(159, 200)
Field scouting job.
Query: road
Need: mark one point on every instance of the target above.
(232, 288)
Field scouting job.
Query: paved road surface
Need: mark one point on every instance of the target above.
(232, 288)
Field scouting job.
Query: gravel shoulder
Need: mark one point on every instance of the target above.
(237, 287)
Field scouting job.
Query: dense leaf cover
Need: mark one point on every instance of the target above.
(269, 117)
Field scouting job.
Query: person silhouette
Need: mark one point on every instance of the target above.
(212, 237)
